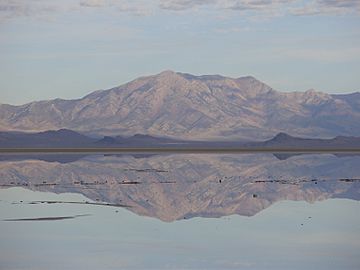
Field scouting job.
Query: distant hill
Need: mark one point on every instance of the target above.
(136, 140)
(283, 140)
(65, 138)
(46, 139)
(69, 139)
(189, 107)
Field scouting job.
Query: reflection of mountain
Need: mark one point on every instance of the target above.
(68, 158)
(182, 186)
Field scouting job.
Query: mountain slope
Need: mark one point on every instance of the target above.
(192, 107)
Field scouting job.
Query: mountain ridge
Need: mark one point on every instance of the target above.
(185, 106)
(65, 138)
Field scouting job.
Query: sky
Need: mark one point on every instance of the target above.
(69, 48)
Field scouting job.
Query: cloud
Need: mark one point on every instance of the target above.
(95, 3)
(292, 7)
(183, 4)
(10, 9)
(138, 8)
(328, 7)
(20, 8)
(259, 5)
(257, 8)
(240, 5)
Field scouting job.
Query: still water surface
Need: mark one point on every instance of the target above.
(180, 211)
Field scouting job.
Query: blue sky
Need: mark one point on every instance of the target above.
(69, 48)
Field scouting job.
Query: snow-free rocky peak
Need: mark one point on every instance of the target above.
(180, 105)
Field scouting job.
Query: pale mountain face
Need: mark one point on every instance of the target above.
(193, 107)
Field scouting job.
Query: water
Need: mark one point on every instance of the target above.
(180, 211)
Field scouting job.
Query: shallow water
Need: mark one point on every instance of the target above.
(180, 211)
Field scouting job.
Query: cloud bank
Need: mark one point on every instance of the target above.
(10, 9)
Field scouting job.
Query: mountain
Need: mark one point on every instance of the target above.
(283, 140)
(64, 138)
(185, 106)
(67, 138)
(52, 138)
(138, 140)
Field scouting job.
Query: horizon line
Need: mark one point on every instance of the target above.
(175, 150)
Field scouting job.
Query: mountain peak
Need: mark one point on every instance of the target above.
(315, 97)
(248, 77)
(181, 105)
(167, 72)
(214, 77)
(205, 78)
(62, 132)
(167, 77)
(282, 136)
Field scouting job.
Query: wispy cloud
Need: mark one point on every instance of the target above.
(138, 8)
(184, 4)
(269, 8)
(20, 8)
(96, 3)
(291, 7)
(10, 9)
(146, 7)
(256, 5)
(328, 7)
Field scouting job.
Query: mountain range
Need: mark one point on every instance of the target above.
(184, 106)
(64, 138)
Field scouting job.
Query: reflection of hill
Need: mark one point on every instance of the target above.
(61, 157)
(187, 185)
